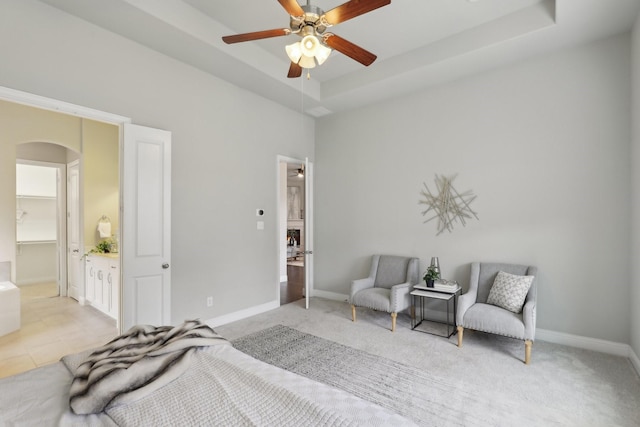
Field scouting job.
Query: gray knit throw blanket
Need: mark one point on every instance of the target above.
(137, 363)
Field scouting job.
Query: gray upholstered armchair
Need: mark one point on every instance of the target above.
(477, 313)
(387, 288)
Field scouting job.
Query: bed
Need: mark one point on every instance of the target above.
(200, 380)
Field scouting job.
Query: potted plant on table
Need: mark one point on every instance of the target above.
(431, 275)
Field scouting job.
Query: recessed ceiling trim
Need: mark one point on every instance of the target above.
(422, 43)
(191, 21)
(318, 111)
(515, 25)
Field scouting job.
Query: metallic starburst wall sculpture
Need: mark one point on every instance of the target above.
(448, 204)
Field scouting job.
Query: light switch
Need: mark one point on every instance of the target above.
(260, 225)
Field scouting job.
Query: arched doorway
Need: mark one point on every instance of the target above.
(41, 215)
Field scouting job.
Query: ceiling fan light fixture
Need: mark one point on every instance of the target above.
(322, 53)
(309, 45)
(307, 62)
(304, 52)
(294, 52)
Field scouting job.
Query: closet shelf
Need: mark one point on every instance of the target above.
(25, 196)
(34, 242)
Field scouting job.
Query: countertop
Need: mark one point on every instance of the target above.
(105, 255)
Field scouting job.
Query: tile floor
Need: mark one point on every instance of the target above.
(51, 327)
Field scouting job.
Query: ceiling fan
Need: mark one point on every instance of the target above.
(310, 22)
(298, 173)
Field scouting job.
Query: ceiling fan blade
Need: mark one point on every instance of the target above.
(353, 51)
(292, 7)
(352, 9)
(245, 37)
(294, 70)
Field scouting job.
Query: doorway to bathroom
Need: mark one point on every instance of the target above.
(145, 188)
(48, 147)
(61, 194)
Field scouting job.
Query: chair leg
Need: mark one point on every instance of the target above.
(460, 333)
(393, 321)
(353, 312)
(527, 352)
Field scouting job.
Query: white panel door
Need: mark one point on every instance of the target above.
(308, 230)
(74, 262)
(146, 226)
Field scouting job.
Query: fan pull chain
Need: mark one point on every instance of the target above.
(308, 75)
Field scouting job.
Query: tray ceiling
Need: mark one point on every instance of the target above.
(419, 43)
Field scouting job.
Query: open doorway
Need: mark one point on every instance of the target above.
(62, 196)
(53, 322)
(40, 243)
(55, 319)
(293, 288)
(294, 226)
(144, 186)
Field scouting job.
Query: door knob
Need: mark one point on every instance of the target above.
(165, 265)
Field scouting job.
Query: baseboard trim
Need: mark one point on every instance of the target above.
(635, 361)
(35, 281)
(242, 314)
(602, 346)
(329, 295)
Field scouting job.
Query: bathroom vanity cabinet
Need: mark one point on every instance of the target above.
(102, 283)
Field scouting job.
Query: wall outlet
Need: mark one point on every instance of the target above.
(209, 301)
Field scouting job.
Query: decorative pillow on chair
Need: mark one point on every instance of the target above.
(509, 291)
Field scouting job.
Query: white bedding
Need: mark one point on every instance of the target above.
(224, 387)
(40, 397)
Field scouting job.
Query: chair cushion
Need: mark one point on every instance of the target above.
(509, 291)
(392, 270)
(375, 298)
(495, 320)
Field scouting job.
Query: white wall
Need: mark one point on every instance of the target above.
(635, 195)
(219, 133)
(544, 145)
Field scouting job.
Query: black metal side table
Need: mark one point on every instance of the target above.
(421, 293)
